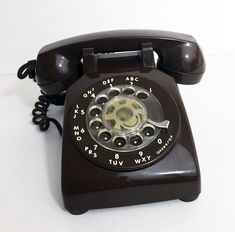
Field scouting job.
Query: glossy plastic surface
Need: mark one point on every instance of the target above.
(58, 64)
(128, 159)
(88, 186)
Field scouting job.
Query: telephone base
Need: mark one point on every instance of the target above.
(82, 211)
(89, 185)
(175, 177)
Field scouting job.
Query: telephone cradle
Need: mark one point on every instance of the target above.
(126, 136)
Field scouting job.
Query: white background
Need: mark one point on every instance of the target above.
(30, 195)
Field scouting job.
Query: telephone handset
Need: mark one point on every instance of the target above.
(126, 136)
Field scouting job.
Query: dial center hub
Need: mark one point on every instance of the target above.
(124, 114)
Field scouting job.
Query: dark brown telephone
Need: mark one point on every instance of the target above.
(126, 135)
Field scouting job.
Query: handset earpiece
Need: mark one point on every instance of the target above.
(183, 60)
(55, 72)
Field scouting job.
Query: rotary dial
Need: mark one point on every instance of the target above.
(123, 118)
(124, 123)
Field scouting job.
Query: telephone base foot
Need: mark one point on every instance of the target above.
(189, 199)
(77, 211)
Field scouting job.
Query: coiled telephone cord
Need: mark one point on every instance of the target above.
(40, 117)
(39, 113)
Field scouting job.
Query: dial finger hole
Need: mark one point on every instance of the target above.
(149, 130)
(114, 92)
(142, 95)
(95, 111)
(102, 99)
(104, 136)
(128, 90)
(96, 125)
(136, 140)
(119, 142)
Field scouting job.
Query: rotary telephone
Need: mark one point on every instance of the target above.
(126, 135)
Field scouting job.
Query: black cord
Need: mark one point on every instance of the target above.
(27, 69)
(39, 113)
